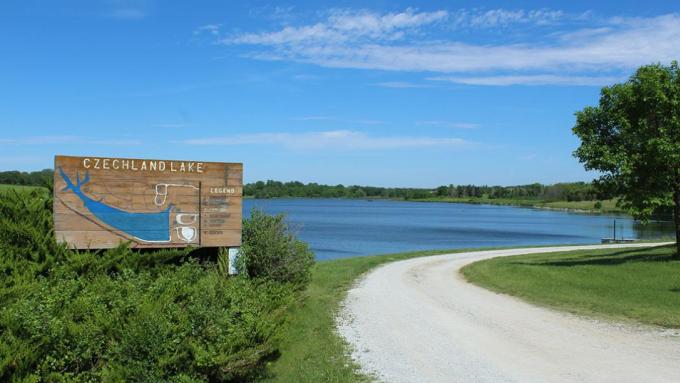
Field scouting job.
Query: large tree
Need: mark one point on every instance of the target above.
(633, 139)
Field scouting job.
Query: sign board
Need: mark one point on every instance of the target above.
(101, 202)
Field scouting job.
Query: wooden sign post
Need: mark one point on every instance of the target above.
(101, 202)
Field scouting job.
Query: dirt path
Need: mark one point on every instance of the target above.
(419, 321)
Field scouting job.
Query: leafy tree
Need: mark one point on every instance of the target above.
(633, 139)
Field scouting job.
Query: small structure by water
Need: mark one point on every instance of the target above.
(613, 239)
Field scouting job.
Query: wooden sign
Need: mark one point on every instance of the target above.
(101, 202)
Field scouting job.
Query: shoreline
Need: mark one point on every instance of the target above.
(608, 205)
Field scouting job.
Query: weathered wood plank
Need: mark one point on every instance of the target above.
(101, 202)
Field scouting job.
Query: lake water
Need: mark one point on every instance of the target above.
(338, 228)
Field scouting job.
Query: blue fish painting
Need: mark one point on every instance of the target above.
(147, 227)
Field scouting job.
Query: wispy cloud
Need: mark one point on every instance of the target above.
(368, 122)
(212, 29)
(401, 85)
(543, 79)
(448, 124)
(405, 41)
(494, 18)
(334, 139)
(127, 9)
(344, 26)
(53, 140)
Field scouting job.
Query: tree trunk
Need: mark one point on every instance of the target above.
(676, 219)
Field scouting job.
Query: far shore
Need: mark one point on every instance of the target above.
(584, 207)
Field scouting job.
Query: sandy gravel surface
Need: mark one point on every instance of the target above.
(419, 321)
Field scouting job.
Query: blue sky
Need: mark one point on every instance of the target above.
(379, 93)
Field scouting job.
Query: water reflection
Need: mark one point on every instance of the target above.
(653, 230)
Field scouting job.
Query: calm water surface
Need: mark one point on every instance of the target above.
(337, 228)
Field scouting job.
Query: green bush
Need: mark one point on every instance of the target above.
(125, 315)
(270, 250)
(27, 244)
(186, 322)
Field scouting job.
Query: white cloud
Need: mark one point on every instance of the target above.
(401, 85)
(399, 42)
(448, 124)
(495, 18)
(127, 9)
(344, 26)
(335, 139)
(583, 33)
(212, 29)
(541, 79)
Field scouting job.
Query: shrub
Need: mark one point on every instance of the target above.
(186, 321)
(125, 315)
(27, 243)
(270, 250)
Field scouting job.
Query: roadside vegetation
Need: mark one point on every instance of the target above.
(126, 315)
(312, 350)
(641, 285)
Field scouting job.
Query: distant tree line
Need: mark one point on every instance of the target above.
(295, 189)
(568, 191)
(38, 178)
(573, 191)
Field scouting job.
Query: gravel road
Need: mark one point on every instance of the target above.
(419, 321)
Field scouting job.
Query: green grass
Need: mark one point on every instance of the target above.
(640, 285)
(5, 188)
(312, 350)
(607, 206)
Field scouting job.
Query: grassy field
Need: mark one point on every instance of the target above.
(4, 188)
(606, 206)
(312, 351)
(641, 285)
